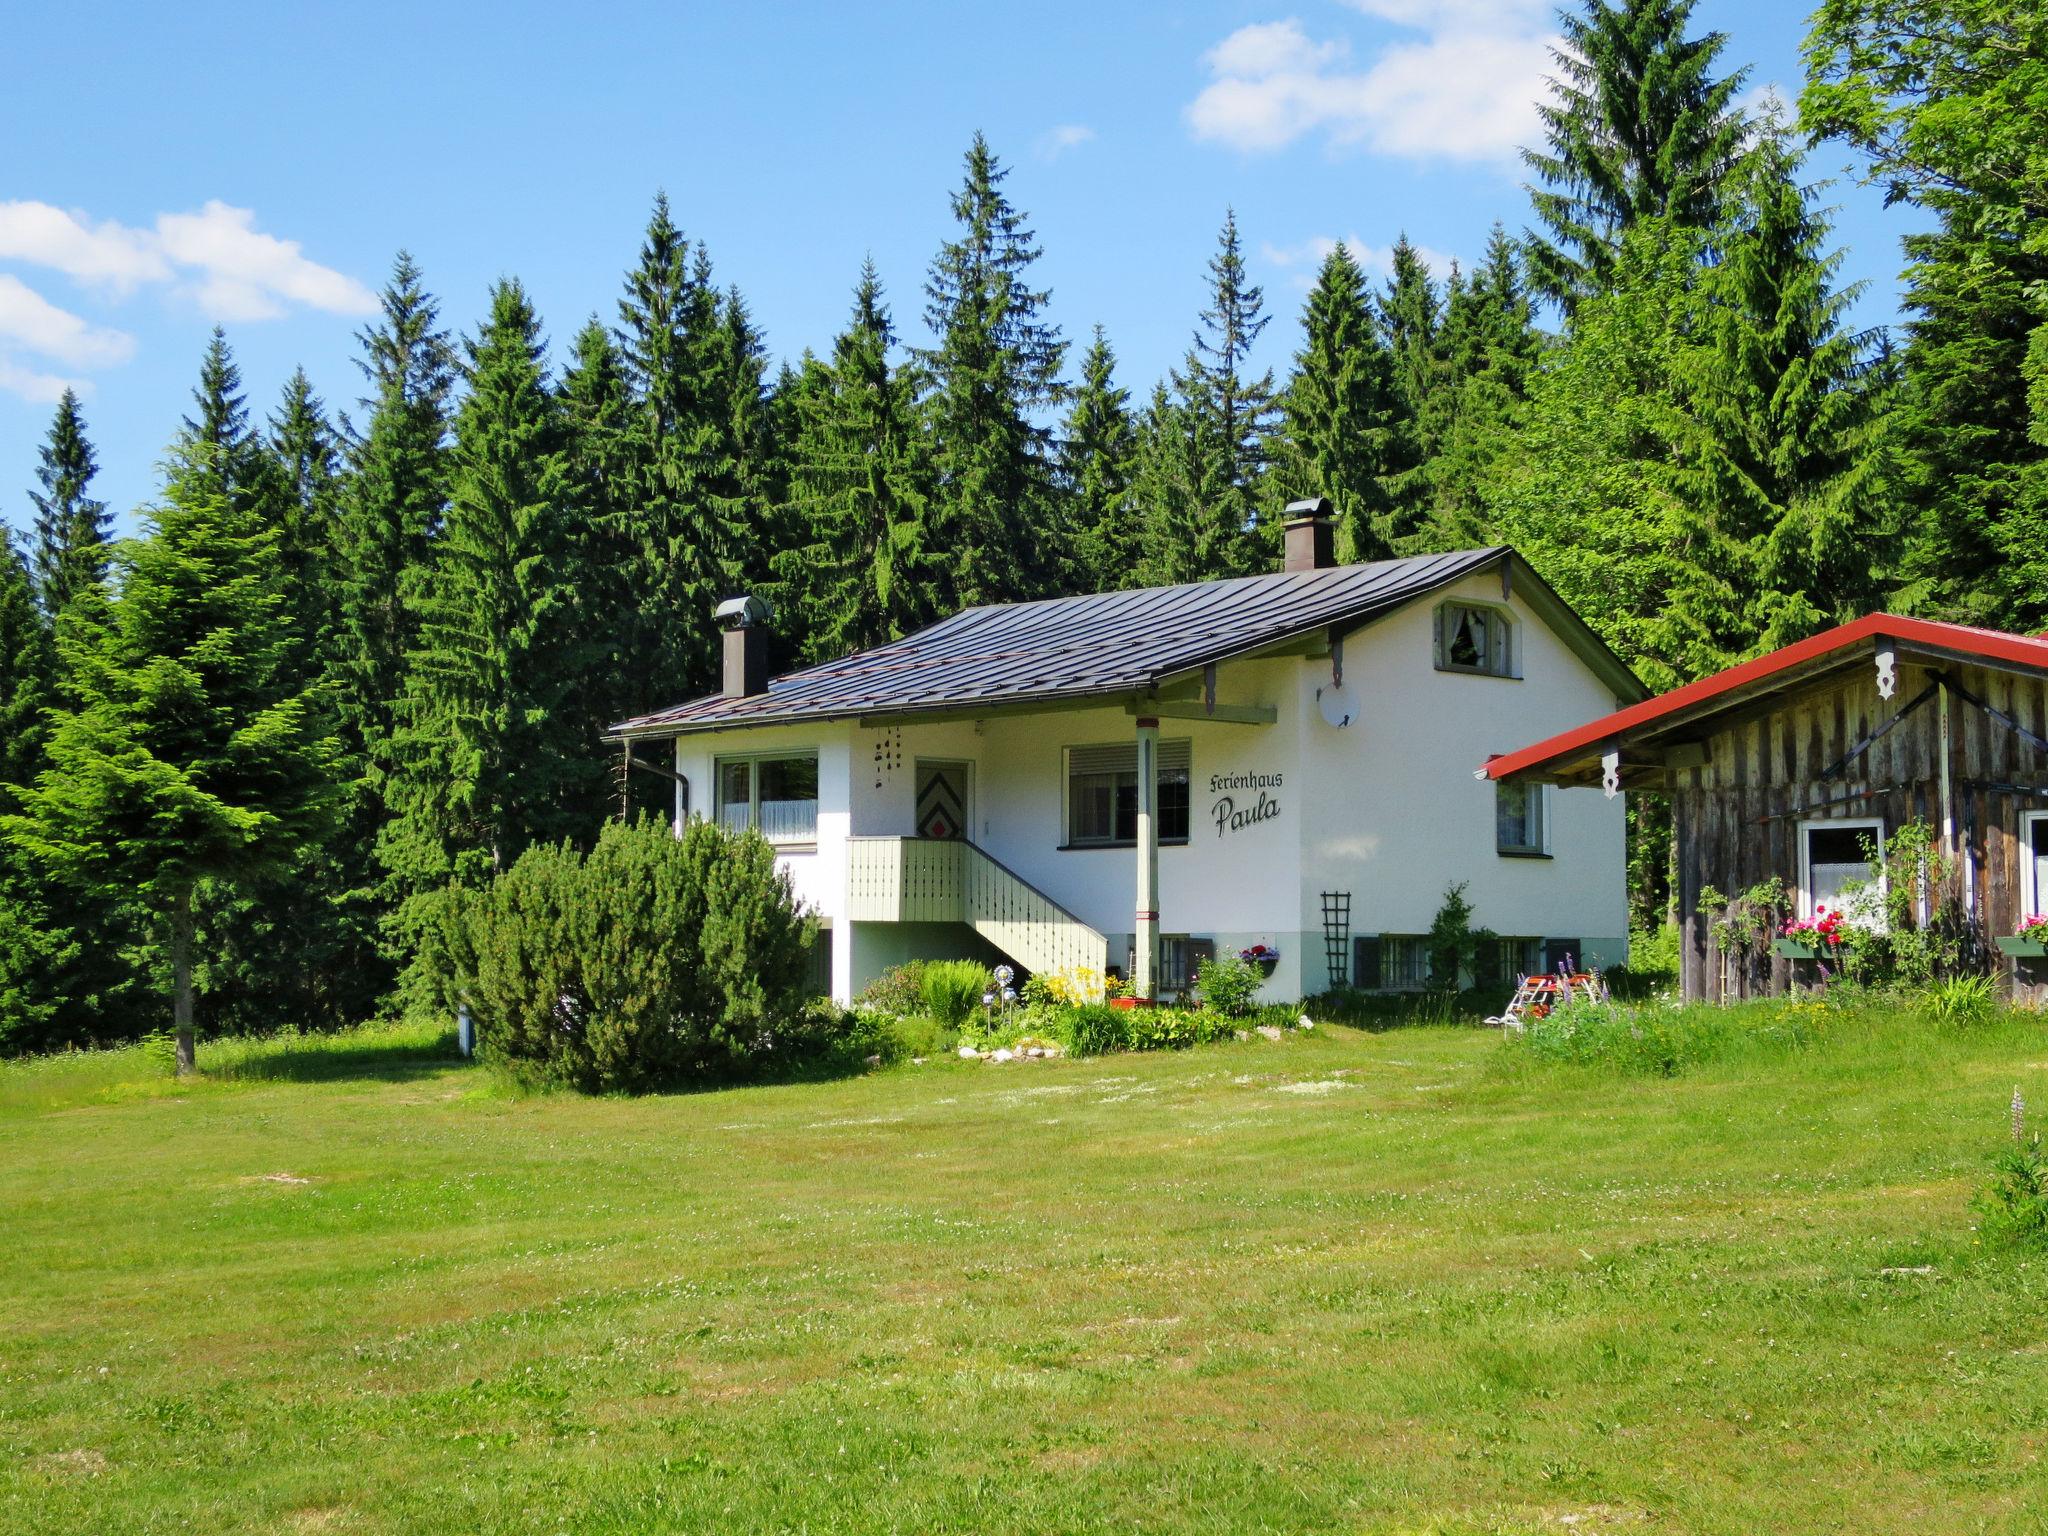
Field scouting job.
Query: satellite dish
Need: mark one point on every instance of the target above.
(1338, 704)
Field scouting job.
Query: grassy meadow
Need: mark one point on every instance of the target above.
(1416, 1281)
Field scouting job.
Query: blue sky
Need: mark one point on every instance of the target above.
(170, 167)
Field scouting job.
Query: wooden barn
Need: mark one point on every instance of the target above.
(1793, 764)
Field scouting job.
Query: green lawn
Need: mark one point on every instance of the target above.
(1343, 1282)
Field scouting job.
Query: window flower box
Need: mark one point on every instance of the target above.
(2021, 948)
(1799, 947)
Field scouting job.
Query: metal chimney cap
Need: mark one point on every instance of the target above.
(1315, 506)
(743, 612)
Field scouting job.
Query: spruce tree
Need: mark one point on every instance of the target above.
(191, 771)
(1490, 347)
(305, 453)
(1638, 126)
(1181, 458)
(1793, 460)
(1343, 422)
(598, 421)
(71, 527)
(491, 758)
(391, 509)
(1412, 314)
(678, 555)
(861, 570)
(994, 367)
(1229, 416)
(217, 440)
(1098, 446)
(31, 942)
(27, 670)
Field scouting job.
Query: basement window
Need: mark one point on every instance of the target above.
(1390, 962)
(777, 793)
(1472, 637)
(1102, 794)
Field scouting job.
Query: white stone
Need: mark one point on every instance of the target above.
(1306, 1022)
(917, 1061)
(1036, 1050)
(968, 1053)
(1270, 1031)
(1004, 1053)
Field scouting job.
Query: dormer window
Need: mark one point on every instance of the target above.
(1472, 637)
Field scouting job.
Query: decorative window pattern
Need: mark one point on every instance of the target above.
(1518, 818)
(1102, 794)
(778, 794)
(1471, 637)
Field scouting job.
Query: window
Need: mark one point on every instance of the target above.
(778, 794)
(1102, 794)
(1518, 818)
(1834, 855)
(2034, 862)
(1390, 962)
(1474, 638)
(1503, 962)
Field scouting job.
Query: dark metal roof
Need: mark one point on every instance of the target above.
(1107, 644)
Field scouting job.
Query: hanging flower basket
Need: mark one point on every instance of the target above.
(1264, 956)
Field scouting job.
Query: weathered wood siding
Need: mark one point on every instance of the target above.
(1737, 817)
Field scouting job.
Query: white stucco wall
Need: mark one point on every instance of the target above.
(1387, 808)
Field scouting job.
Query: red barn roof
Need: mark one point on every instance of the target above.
(1771, 673)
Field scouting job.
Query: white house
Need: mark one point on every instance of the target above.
(1133, 779)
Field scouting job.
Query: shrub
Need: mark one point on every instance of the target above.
(953, 989)
(1098, 1028)
(1962, 999)
(898, 990)
(651, 960)
(1228, 985)
(2014, 1210)
(1453, 942)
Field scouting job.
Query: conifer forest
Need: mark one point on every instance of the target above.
(364, 644)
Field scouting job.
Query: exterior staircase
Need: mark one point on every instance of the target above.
(924, 880)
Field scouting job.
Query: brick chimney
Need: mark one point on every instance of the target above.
(1311, 537)
(745, 622)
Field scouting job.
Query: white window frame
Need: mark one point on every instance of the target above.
(1067, 839)
(1838, 824)
(1539, 798)
(2032, 898)
(1507, 665)
(753, 760)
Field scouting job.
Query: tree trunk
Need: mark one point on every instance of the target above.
(181, 982)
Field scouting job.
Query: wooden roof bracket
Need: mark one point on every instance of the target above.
(1887, 669)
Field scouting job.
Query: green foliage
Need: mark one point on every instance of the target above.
(2013, 1210)
(1638, 127)
(899, 990)
(1743, 926)
(1925, 937)
(1342, 423)
(1228, 985)
(953, 989)
(1661, 1039)
(995, 368)
(1962, 999)
(489, 759)
(1095, 1029)
(652, 960)
(861, 562)
(1453, 942)
(190, 766)
(72, 529)
(1098, 462)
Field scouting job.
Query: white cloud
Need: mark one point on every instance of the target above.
(247, 275)
(1466, 89)
(36, 388)
(1057, 141)
(106, 254)
(215, 256)
(31, 321)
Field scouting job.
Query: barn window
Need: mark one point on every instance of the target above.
(1471, 637)
(1835, 856)
(2034, 862)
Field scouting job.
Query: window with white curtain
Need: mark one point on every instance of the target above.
(778, 793)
